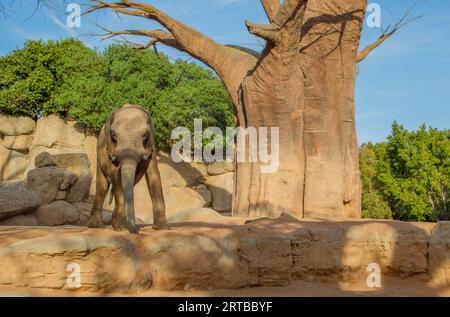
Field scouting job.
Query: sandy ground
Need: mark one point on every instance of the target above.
(394, 287)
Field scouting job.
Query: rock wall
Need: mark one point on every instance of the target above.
(225, 254)
(186, 186)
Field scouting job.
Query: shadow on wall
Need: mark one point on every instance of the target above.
(8, 171)
(340, 253)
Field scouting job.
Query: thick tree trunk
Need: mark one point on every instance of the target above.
(273, 96)
(330, 45)
(306, 88)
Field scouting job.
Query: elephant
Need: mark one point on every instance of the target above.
(126, 152)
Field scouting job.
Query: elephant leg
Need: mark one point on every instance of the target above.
(119, 220)
(154, 185)
(101, 190)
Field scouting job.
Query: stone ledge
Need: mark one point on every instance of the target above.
(222, 256)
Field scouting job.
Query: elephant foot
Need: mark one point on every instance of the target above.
(132, 228)
(161, 226)
(96, 222)
(119, 224)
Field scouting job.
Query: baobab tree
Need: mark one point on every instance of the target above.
(302, 82)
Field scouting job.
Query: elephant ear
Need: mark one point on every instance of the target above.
(108, 140)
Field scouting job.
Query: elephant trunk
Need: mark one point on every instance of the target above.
(128, 173)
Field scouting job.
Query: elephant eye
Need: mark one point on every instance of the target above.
(113, 137)
(145, 137)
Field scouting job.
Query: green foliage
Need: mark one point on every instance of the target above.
(373, 204)
(408, 175)
(73, 81)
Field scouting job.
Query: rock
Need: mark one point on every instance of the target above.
(198, 214)
(200, 169)
(221, 188)
(78, 164)
(56, 214)
(53, 132)
(17, 200)
(178, 199)
(27, 220)
(439, 254)
(70, 179)
(177, 174)
(219, 168)
(12, 165)
(84, 210)
(45, 182)
(13, 183)
(36, 150)
(205, 193)
(61, 195)
(20, 143)
(14, 126)
(44, 159)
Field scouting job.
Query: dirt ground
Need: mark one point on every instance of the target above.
(393, 287)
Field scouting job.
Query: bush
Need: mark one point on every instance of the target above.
(409, 175)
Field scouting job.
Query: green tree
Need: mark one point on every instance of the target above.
(374, 206)
(411, 172)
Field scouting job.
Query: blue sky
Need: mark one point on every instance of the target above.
(407, 79)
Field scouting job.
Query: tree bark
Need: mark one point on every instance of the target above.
(330, 43)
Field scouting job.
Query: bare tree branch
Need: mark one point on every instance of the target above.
(387, 33)
(158, 36)
(288, 9)
(184, 38)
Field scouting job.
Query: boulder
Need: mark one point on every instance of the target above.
(178, 199)
(177, 174)
(53, 132)
(439, 254)
(78, 164)
(57, 213)
(27, 220)
(70, 179)
(13, 183)
(12, 165)
(20, 143)
(45, 182)
(196, 214)
(17, 200)
(221, 188)
(219, 168)
(44, 159)
(61, 195)
(84, 209)
(37, 150)
(14, 126)
(205, 193)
